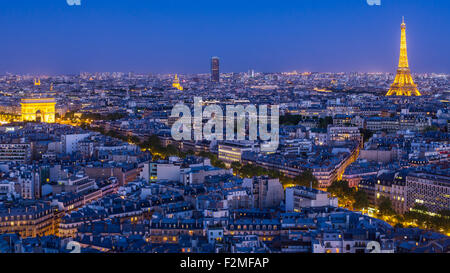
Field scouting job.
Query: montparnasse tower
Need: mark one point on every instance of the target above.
(403, 84)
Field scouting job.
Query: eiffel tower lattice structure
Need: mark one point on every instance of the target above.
(403, 84)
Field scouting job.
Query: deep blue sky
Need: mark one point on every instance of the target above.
(159, 36)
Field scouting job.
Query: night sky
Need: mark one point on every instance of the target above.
(173, 36)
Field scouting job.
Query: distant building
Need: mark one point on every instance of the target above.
(342, 120)
(267, 193)
(295, 146)
(344, 133)
(30, 184)
(303, 197)
(149, 172)
(197, 175)
(70, 142)
(429, 190)
(388, 124)
(169, 231)
(76, 184)
(414, 123)
(392, 186)
(7, 187)
(215, 69)
(353, 242)
(232, 151)
(12, 152)
(358, 171)
(237, 198)
(125, 173)
(86, 148)
(169, 172)
(215, 235)
(32, 220)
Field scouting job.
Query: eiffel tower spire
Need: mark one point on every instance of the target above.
(403, 84)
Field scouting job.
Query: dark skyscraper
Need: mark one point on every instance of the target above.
(215, 71)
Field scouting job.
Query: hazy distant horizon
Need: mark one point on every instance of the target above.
(204, 73)
(180, 37)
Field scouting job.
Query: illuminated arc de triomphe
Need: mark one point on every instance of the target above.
(42, 109)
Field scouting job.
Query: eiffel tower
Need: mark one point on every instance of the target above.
(403, 84)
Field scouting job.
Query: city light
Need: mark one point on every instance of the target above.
(403, 84)
(162, 128)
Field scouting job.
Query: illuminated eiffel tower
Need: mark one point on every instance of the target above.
(403, 84)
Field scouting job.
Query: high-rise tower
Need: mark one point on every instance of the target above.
(215, 70)
(403, 84)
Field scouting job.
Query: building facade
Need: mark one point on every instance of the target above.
(42, 109)
(215, 69)
(429, 190)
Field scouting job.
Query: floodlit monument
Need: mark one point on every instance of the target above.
(176, 83)
(403, 84)
(42, 109)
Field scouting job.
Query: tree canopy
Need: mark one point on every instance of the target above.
(385, 206)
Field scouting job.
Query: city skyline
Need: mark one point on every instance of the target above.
(180, 38)
(224, 127)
